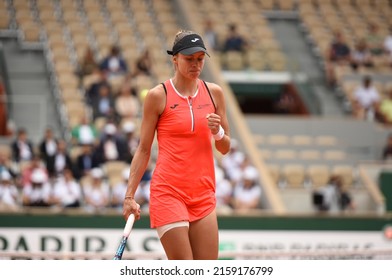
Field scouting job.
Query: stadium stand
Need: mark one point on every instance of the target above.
(293, 156)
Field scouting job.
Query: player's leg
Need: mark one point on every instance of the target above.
(203, 235)
(175, 242)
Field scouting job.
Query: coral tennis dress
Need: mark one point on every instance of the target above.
(183, 183)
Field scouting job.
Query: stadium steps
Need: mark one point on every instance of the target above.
(359, 141)
(300, 201)
(30, 92)
(294, 45)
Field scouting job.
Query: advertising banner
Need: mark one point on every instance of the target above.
(146, 240)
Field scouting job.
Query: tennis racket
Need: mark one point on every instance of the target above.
(123, 243)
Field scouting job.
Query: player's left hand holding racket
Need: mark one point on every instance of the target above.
(123, 243)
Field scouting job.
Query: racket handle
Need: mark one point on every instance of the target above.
(129, 225)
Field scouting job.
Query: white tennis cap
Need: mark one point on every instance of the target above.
(38, 176)
(129, 127)
(110, 129)
(125, 173)
(5, 175)
(250, 173)
(96, 173)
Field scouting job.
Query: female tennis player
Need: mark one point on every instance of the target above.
(187, 114)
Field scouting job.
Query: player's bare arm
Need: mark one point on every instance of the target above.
(153, 106)
(219, 118)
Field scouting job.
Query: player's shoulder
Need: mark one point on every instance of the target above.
(158, 89)
(155, 99)
(157, 92)
(213, 87)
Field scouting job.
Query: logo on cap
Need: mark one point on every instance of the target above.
(188, 45)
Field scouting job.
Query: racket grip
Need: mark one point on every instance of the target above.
(129, 225)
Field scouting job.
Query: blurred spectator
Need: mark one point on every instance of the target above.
(387, 151)
(84, 133)
(92, 92)
(86, 161)
(247, 192)
(103, 104)
(144, 64)
(339, 54)
(142, 194)
(38, 192)
(234, 41)
(224, 191)
(374, 40)
(384, 109)
(127, 104)
(48, 145)
(366, 99)
(96, 192)
(114, 64)
(5, 164)
(9, 195)
(119, 189)
(112, 146)
(332, 197)
(48, 148)
(22, 147)
(388, 46)
(87, 65)
(231, 162)
(210, 35)
(128, 84)
(361, 56)
(67, 192)
(32, 166)
(60, 161)
(131, 140)
(286, 103)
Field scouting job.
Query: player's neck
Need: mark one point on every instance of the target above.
(186, 87)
